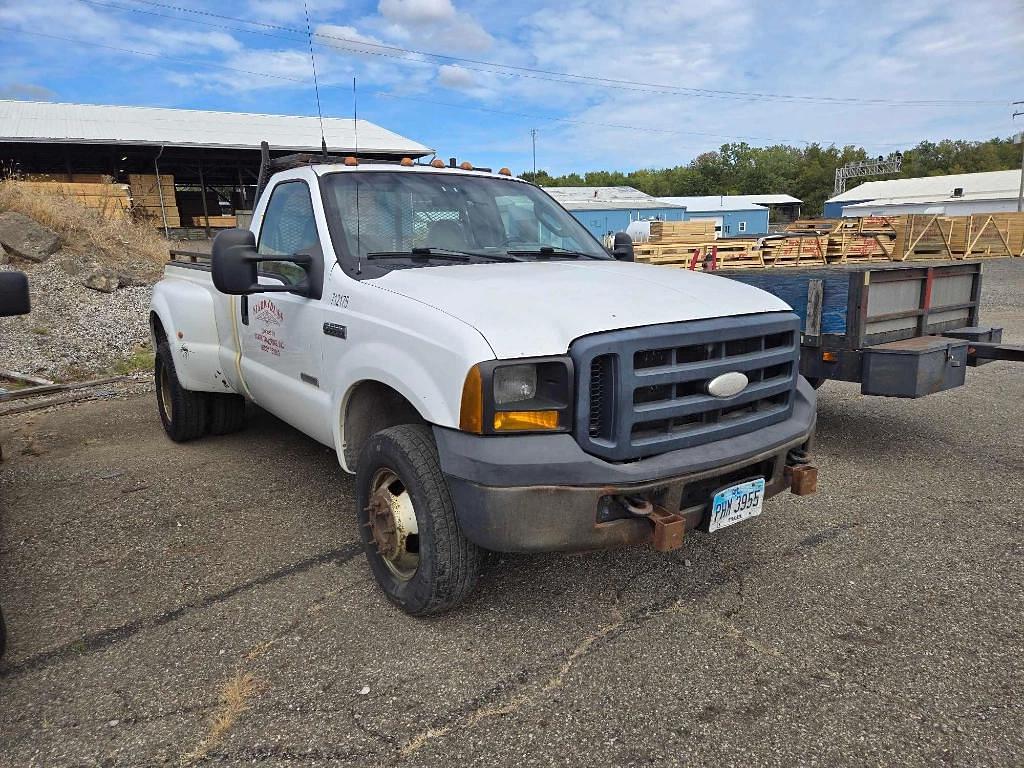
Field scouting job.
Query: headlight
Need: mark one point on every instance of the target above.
(530, 395)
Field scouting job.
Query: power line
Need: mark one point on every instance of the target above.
(190, 62)
(511, 70)
(620, 126)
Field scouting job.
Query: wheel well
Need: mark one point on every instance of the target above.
(371, 407)
(159, 334)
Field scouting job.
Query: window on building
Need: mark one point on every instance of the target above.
(726, 228)
(741, 227)
(289, 227)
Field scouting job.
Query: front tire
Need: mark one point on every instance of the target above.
(183, 413)
(415, 547)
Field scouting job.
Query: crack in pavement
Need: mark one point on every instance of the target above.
(97, 641)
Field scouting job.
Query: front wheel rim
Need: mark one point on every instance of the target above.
(165, 393)
(391, 518)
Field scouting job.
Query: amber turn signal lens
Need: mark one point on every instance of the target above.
(471, 414)
(517, 421)
(829, 357)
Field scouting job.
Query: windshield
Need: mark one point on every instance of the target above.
(383, 214)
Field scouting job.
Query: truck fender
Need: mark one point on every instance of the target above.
(432, 400)
(186, 314)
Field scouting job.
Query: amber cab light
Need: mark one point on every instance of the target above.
(438, 163)
(518, 421)
(351, 161)
(829, 357)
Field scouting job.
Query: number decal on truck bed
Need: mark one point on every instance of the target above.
(338, 300)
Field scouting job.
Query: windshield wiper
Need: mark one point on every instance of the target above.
(550, 252)
(438, 253)
(420, 253)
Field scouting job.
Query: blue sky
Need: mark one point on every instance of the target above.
(742, 61)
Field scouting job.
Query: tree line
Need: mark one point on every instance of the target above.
(804, 172)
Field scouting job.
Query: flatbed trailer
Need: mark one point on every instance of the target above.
(898, 330)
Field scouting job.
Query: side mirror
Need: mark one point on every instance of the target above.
(622, 248)
(235, 263)
(13, 294)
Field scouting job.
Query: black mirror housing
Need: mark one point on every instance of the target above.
(234, 261)
(622, 248)
(235, 266)
(14, 299)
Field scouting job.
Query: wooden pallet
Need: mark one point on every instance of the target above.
(846, 247)
(214, 221)
(929, 237)
(720, 254)
(797, 251)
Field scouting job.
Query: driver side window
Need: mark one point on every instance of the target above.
(289, 227)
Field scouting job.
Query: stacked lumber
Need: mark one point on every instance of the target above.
(75, 178)
(214, 221)
(795, 251)
(811, 225)
(147, 191)
(696, 231)
(107, 198)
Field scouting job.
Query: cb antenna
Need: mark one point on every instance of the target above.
(316, 84)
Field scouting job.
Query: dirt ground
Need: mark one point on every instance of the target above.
(179, 604)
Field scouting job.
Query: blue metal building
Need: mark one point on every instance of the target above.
(606, 210)
(733, 215)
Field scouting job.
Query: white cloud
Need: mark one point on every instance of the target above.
(416, 11)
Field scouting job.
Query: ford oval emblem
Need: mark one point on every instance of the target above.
(728, 384)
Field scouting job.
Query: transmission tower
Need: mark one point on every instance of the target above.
(880, 166)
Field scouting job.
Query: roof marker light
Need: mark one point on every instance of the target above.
(437, 163)
(505, 172)
(466, 166)
(407, 161)
(351, 160)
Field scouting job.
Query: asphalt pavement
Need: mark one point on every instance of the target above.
(208, 604)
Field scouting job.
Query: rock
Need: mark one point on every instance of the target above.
(5, 257)
(128, 280)
(26, 239)
(101, 279)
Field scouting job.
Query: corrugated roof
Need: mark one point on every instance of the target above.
(95, 124)
(705, 203)
(989, 185)
(605, 198)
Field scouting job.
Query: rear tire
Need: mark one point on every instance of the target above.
(183, 413)
(227, 413)
(399, 470)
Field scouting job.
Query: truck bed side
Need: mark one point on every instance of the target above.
(196, 321)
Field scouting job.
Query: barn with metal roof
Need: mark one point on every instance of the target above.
(960, 194)
(209, 160)
(605, 210)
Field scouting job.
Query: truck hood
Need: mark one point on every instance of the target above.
(539, 308)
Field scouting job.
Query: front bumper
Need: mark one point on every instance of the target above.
(537, 493)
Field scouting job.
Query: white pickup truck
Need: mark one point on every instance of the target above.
(495, 378)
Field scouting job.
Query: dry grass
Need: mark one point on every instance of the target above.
(115, 240)
(234, 699)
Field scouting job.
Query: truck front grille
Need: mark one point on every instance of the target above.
(646, 392)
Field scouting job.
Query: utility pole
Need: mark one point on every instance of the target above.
(1020, 138)
(533, 135)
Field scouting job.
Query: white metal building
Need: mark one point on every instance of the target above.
(960, 194)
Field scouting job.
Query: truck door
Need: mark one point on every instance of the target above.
(281, 333)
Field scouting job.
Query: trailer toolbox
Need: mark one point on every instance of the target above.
(914, 367)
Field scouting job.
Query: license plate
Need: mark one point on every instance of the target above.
(736, 503)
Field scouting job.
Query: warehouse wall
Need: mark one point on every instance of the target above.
(600, 223)
(835, 210)
(953, 208)
(756, 221)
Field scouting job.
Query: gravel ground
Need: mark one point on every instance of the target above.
(72, 331)
(208, 603)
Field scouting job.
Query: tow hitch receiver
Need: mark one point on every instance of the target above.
(668, 529)
(803, 479)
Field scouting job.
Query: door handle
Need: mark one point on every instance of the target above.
(245, 310)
